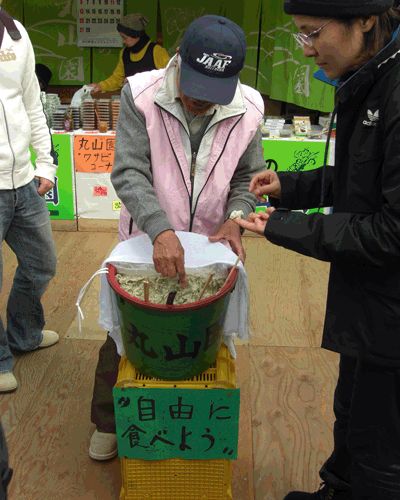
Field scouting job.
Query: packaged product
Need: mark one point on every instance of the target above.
(302, 125)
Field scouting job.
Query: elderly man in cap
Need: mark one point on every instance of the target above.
(188, 143)
(139, 54)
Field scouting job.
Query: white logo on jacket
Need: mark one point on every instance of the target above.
(7, 55)
(215, 62)
(373, 117)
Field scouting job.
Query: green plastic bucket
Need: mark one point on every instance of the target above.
(172, 342)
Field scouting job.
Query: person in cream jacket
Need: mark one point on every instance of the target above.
(24, 217)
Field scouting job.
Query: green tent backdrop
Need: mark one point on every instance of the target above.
(284, 73)
(250, 24)
(52, 28)
(176, 15)
(274, 63)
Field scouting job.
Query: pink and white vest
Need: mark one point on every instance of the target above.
(170, 170)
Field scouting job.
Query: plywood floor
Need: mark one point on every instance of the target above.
(286, 380)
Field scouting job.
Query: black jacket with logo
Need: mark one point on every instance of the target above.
(361, 238)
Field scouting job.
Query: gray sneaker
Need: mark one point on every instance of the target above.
(103, 446)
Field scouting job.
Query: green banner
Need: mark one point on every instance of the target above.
(285, 74)
(267, 42)
(52, 30)
(295, 155)
(60, 199)
(251, 28)
(156, 424)
(176, 15)
(105, 59)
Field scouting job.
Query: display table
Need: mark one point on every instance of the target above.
(296, 155)
(61, 198)
(83, 193)
(83, 190)
(93, 155)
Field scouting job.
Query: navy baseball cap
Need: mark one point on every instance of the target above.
(212, 50)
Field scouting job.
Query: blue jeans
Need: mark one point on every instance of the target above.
(366, 455)
(25, 226)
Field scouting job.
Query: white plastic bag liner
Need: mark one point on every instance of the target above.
(76, 100)
(135, 256)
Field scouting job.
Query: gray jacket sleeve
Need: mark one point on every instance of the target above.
(131, 175)
(250, 163)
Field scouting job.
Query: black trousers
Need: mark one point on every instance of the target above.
(102, 413)
(366, 455)
(5, 471)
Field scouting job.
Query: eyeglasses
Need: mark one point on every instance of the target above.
(306, 39)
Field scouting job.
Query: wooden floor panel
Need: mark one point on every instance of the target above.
(50, 446)
(30, 369)
(287, 295)
(90, 328)
(80, 260)
(242, 468)
(286, 380)
(292, 415)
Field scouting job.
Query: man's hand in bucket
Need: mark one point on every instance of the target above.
(169, 256)
(229, 231)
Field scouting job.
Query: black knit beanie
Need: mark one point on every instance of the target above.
(133, 25)
(336, 8)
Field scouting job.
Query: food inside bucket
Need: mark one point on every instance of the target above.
(161, 287)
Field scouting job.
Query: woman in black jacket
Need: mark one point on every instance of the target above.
(355, 41)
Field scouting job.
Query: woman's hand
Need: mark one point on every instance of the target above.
(255, 222)
(267, 183)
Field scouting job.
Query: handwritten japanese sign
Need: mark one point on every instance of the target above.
(94, 154)
(97, 23)
(156, 424)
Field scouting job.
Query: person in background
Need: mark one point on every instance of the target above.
(188, 142)
(44, 75)
(24, 216)
(357, 42)
(140, 53)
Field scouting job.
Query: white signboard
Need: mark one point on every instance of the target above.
(97, 23)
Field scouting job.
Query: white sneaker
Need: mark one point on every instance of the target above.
(103, 446)
(49, 338)
(8, 382)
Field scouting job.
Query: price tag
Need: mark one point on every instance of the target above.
(116, 205)
(100, 191)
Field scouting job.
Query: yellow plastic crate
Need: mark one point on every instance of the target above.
(177, 478)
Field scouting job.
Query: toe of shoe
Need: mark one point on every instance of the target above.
(102, 456)
(8, 382)
(103, 446)
(49, 338)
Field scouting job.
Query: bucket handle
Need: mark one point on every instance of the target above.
(103, 270)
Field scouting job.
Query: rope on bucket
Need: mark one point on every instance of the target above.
(103, 270)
